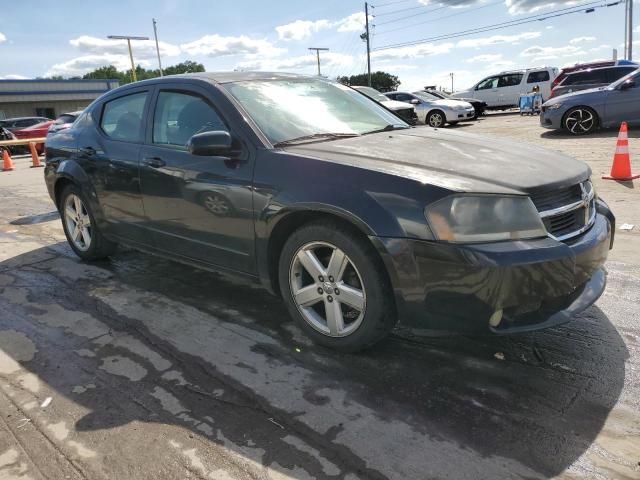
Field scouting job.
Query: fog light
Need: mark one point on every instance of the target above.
(496, 318)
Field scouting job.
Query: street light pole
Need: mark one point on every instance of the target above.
(368, 33)
(451, 75)
(128, 38)
(317, 50)
(155, 34)
(630, 30)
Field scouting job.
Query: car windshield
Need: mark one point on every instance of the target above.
(635, 75)
(440, 95)
(429, 97)
(373, 93)
(310, 109)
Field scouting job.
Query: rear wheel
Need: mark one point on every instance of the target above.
(435, 119)
(80, 227)
(580, 121)
(335, 288)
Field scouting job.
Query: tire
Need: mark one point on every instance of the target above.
(436, 119)
(580, 121)
(356, 328)
(93, 247)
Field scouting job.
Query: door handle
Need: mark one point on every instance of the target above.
(154, 162)
(89, 151)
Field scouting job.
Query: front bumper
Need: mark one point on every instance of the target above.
(460, 115)
(533, 284)
(551, 118)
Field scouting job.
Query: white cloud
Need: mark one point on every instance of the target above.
(451, 3)
(301, 29)
(141, 48)
(637, 29)
(13, 77)
(412, 52)
(578, 40)
(495, 39)
(528, 6)
(219, 46)
(489, 57)
(328, 59)
(547, 53)
(80, 65)
(2, 37)
(353, 23)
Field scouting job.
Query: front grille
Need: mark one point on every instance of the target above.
(567, 212)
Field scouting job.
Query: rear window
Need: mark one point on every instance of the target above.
(586, 77)
(619, 72)
(65, 119)
(122, 117)
(536, 77)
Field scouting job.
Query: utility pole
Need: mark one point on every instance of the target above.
(128, 38)
(155, 34)
(366, 23)
(317, 50)
(451, 75)
(629, 28)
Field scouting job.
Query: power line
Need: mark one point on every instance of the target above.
(498, 26)
(468, 10)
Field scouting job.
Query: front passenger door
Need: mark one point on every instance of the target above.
(623, 105)
(199, 207)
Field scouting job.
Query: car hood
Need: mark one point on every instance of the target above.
(395, 105)
(458, 161)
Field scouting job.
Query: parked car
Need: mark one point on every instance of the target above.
(406, 112)
(64, 121)
(564, 71)
(590, 78)
(39, 130)
(503, 90)
(434, 111)
(18, 123)
(5, 134)
(478, 105)
(582, 112)
(358, 220)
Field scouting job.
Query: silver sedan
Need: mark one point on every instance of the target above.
(435, 111)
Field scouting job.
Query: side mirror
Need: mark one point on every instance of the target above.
(628, 84)
(210, 144)
(415, 101)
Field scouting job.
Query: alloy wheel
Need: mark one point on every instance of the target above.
(435, 120)
(327, 289)
(580, 121)
(78, 222)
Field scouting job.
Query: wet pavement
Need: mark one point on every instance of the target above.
(139, 367)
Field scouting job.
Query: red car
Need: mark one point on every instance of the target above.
(39, 130)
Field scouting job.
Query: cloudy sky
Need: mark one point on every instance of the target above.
(68, 37)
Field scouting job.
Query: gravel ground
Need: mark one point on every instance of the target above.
(140, 368)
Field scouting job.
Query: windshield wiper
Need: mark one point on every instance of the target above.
(387, 128)
(313, 137)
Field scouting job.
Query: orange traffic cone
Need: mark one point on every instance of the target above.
(621, 168)
(7, 164)
(35, 158)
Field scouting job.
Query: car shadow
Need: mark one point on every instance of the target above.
(601, 133)
(539, 399)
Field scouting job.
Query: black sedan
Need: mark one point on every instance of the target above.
(361, 222)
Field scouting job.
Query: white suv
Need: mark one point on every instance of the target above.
(503, 90)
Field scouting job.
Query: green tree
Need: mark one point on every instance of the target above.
(383, 81)
(111, 72)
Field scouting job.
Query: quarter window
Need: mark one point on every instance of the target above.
(122, 117)
(179, 116)
(536, 77)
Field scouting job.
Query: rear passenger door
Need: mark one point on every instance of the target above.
(109, 153)
(199, 207)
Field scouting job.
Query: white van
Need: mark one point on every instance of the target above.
(503, 90)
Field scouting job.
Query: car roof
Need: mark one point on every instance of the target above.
(15, 119)
(597, 69)
(228, 77)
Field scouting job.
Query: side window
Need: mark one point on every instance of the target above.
(488, 83)
(180, 115)
(122, 117)
(617, 73)
(587, 77)
(510, 80)
(403, 97)
(536, 77)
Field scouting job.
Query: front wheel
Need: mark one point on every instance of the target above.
(580, 121)
(335, 288)
(436, 119)
(80, 227)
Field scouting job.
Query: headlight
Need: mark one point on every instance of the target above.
(484, 218)
(554, 106)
